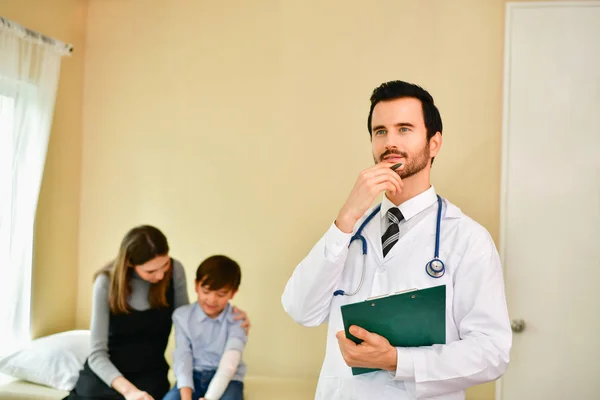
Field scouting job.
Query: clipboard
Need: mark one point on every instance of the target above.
(411, 318)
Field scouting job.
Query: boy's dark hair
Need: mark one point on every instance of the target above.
(218, 272)
(400, 89)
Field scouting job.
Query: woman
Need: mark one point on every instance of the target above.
(132, 303)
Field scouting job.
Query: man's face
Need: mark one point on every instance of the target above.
(400, 136)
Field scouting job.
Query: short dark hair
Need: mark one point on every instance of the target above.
(218, 272)
(400, 89)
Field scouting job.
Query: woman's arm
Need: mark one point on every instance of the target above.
(99, 360)
(129, 391)
(179, 285)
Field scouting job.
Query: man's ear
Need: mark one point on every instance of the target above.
(435, 144)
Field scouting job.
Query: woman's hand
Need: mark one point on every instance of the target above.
(241, 314)
(138, 395)
(128, 390)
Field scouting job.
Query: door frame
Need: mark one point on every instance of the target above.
(510, 8)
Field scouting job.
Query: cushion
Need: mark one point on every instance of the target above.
(53, 361)
(21, 390)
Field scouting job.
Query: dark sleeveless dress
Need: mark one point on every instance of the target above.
(136, 347)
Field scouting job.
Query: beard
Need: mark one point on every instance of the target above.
(415, 162)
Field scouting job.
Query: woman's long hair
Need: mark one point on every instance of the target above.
(140, 245)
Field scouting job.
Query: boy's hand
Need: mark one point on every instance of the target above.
(242, 315)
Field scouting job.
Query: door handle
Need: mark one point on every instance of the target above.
(517, 325)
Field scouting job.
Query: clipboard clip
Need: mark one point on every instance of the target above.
(390, 294)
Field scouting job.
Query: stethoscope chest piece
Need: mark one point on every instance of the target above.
(435, 268)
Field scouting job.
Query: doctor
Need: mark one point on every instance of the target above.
(405, 127)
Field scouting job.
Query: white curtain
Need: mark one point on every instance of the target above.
(29, 71)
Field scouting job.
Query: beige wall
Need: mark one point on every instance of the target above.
(204, 118)
(239, 128)
(57, 222)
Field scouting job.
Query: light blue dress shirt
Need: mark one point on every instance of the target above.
(200, 342)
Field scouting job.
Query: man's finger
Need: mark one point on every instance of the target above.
(343, 340)
(359, 332)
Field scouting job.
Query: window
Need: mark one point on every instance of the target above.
(7, 112)
(29, 74)
(18, 200)
(10, 316)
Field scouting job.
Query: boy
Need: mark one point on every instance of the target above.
(208, 342)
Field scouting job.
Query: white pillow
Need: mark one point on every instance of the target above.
(53, 360)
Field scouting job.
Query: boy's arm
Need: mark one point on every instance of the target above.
(183, 359)
(236, 341)
(227, 368)
(185, 393)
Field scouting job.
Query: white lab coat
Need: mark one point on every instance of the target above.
(478, 333)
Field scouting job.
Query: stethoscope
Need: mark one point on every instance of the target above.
(434, 268)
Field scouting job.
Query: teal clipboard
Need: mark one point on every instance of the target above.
(407, 319)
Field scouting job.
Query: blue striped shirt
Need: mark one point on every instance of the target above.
(200, 342)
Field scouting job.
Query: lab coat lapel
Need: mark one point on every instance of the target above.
(372, 232)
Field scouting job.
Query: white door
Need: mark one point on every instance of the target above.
(551, 200)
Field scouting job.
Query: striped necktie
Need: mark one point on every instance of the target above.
(391, 235)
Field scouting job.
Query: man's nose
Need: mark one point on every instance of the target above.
(391, 141)
(390, 147)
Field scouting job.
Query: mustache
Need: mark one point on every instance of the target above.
(392, 151)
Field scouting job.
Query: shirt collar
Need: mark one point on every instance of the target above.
(202, 315)
(410, 207)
